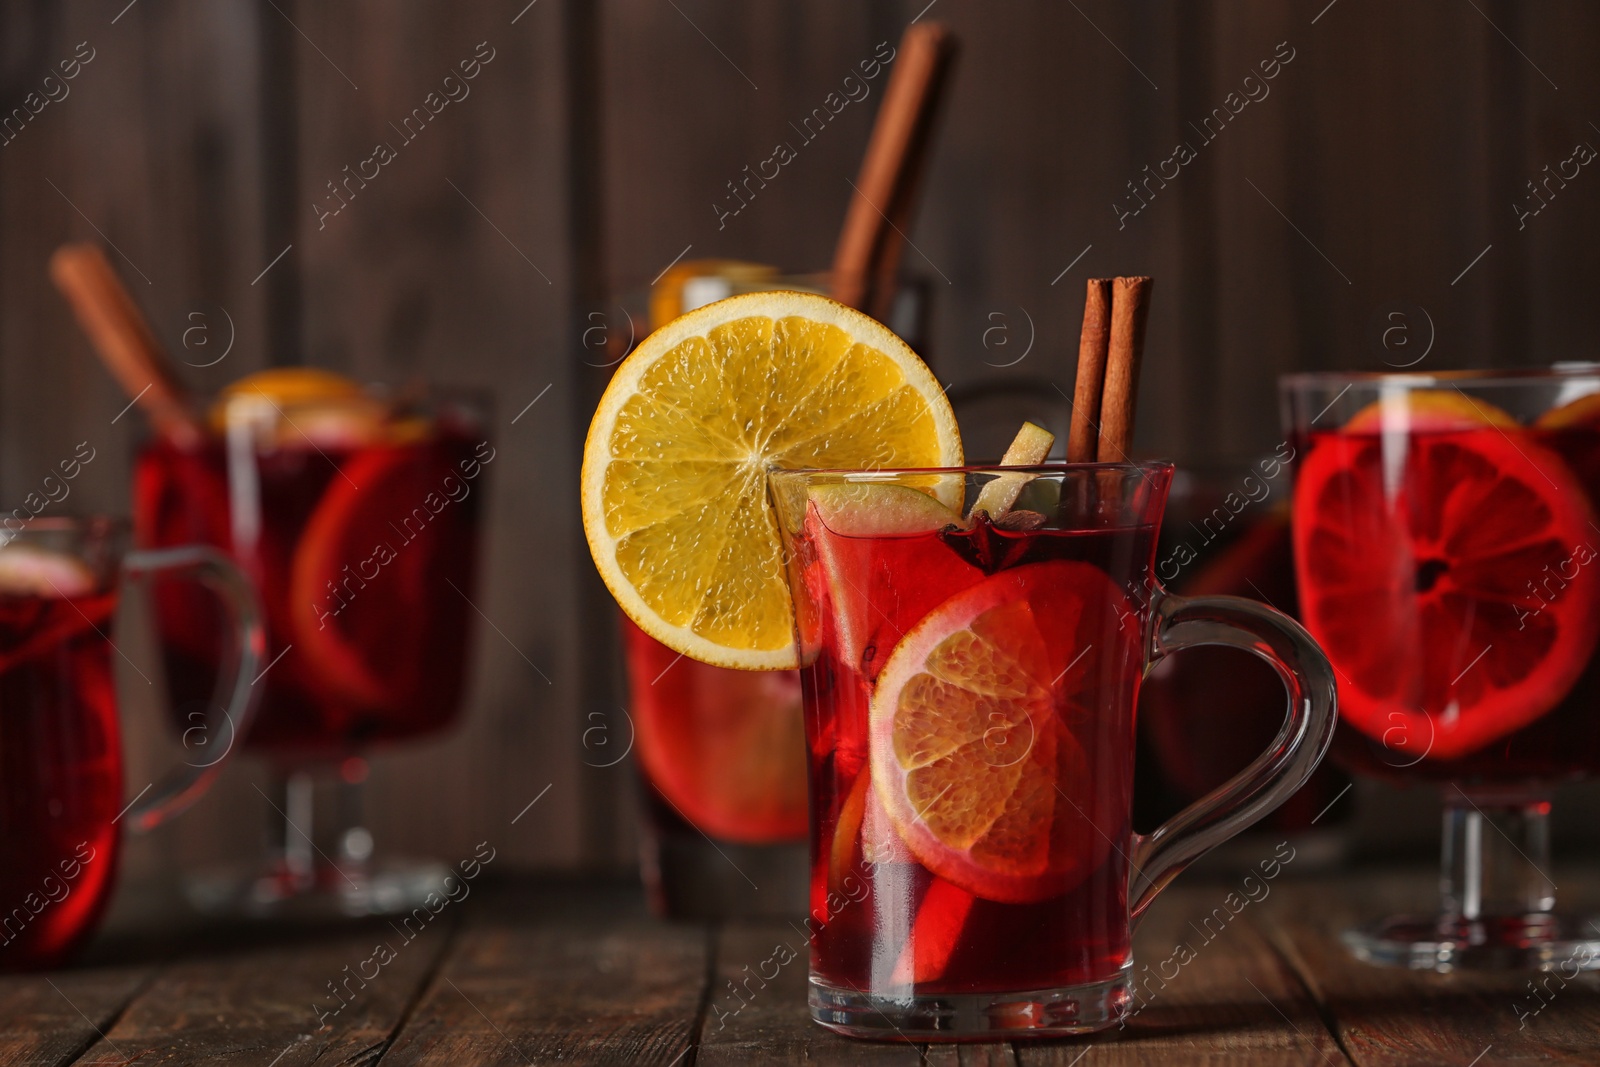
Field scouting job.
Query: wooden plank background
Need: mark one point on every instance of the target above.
(1378, 173)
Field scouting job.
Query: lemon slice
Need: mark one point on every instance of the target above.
(674, 490)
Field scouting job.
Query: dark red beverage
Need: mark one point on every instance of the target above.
(1450, 572)
(363, 555)
(60, 773)
(1019, 677)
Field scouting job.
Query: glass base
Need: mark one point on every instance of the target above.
(385, 887)
(1058, 1012)
(1538, 942)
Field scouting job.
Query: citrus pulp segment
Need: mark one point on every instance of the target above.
(674, 492)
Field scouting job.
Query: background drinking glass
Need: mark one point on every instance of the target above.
(969, 697)
(1445, 540)
(356, 517)
(62, 803)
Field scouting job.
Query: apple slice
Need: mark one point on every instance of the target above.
(879, 509)
(1029, 447)
(26, 571)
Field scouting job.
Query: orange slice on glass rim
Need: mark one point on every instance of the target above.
(1423, 556)
(674, 481)
(973, 745)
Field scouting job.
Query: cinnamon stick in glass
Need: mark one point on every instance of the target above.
(868, 252)
(123, 339)
(1083, 439)
(1130, 307)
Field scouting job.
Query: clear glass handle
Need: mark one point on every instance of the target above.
(228, 715)
(1184, 622)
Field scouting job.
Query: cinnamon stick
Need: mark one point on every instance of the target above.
(123, 339)
(880, 211)
(1130, 307)
(1093, 343)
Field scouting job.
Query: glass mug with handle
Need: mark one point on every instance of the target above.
(62, 802)
(969, 692)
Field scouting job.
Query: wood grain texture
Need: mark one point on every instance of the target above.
(696, 92)
(526, 972)
(1233, 1001)
(571, 976)
(995, 1055)
(749, 1020)
(54, 1019)
(1387, 1017)
(1009, 207)
(282, 997)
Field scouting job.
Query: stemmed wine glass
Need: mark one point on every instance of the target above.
(1448, 561)
(355, 513)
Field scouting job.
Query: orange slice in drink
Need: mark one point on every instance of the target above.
(33, 582)
(383, 544)
(1582, 412)
(1573, 429)
(974, 749)
(1427, 410)
(1442, 570)
(726, 749)
(299, 406)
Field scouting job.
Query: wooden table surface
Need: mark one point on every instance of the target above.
(578, 973)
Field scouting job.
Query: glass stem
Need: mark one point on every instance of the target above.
(1496, 855)
(299, 856)
(317, 822)
(354, 842)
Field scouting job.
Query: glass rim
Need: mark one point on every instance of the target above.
(66, 523)
(217, 410)
(1411, 379)
(404, 389)
(1143, 468)
(80, 536)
